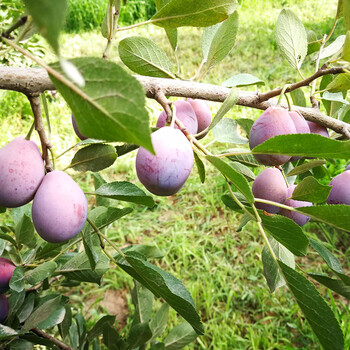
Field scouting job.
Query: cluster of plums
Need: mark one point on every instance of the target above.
(6, 272)
(59, 209)
(165, 173)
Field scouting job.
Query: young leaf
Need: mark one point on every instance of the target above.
(218, 40)
(159, 321)
(143, 56)
(316, 310)
(291, 38)
(41, 272)
(200, 167)
(179, 337)
(307, 145)
(336, 285)
(111, 106)
(237, 179)
(94, 158)
(226, 132)
(229, 102)
(336, 215)
(124, 191)
(311, 190)
(162, 284)
(241, 80)
(306, 167)
(52, 22)
(272, 273)
(327, 256)
(204, 13)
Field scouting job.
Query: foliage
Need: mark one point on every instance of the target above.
(109, 104)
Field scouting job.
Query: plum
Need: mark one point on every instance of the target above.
(203, 114)
(6, 272)
(76, 129)
(4, 308)
(270, 185)
(274, 121)
(59, 208)
(21, 172)
(340, 192)
(185, 113)
(318, 129)
(348, 167)
(298, 218)
(301, 126)
(166, 172)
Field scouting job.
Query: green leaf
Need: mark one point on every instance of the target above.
(313, 44)
(112, 339)
(272, 272)
(243, 79)
(41, 272)
(340, 9)
(78, 268)
(219, 39)
(21, 344)
(244, 221)
(287, 232)
(230, 203)
(98, 328)
(125, 148)
(143, 300)
(345, 13)
(327, 256)
(237, 179)
(52, 21)
(336, 285)
(340, 83)
(139, 334)
(91, 246)
(204, 13)
(111, 106)
(7, 332)
(245, 171)
(26, 308)
(311, 190)
(15, 300)
(245, 123)
(316, 310)
(336, 215)
(180, 336)
(200, 167)
(229, 102)
(150, 252)
(42, 313)
(306, 167)
(291, 38)
(334, 47)
(24, 232)
(7, 238)
(162, 284)
(17, 279)
(298, 97)
(143, 56)
(125, 191)
(306, 145)
(158, 346)
(159, 321)
(247, 159)
(226, 131)
(346, 50)
(94, 158)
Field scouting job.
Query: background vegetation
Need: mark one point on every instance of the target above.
(220, 266)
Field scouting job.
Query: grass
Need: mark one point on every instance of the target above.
(220, 266)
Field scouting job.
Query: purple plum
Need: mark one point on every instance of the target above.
(185, 113)
(301, 126)
(348, 167)
(340, 192)
(318, 129)
(6, 272)
(166, 172)
(298, 218)
(59, 208)
(274, 121)
(21, 172)
(270, 185)
(203, 114)
(4, 308)
(76, 129)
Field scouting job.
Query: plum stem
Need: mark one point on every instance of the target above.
(239, 203)
(283, 92)
(260, 200)
(30, 131)
(113, 13)
(283, 174)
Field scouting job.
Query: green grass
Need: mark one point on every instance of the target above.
(220, 266)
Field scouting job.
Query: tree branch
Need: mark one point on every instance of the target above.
(32, 80)
(42, 334)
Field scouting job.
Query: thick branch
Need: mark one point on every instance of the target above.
(31, 81)
(39, 127)
(58, 343)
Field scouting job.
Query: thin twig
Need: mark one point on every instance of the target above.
(37, 287)
(57, 342)
(16, 25)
